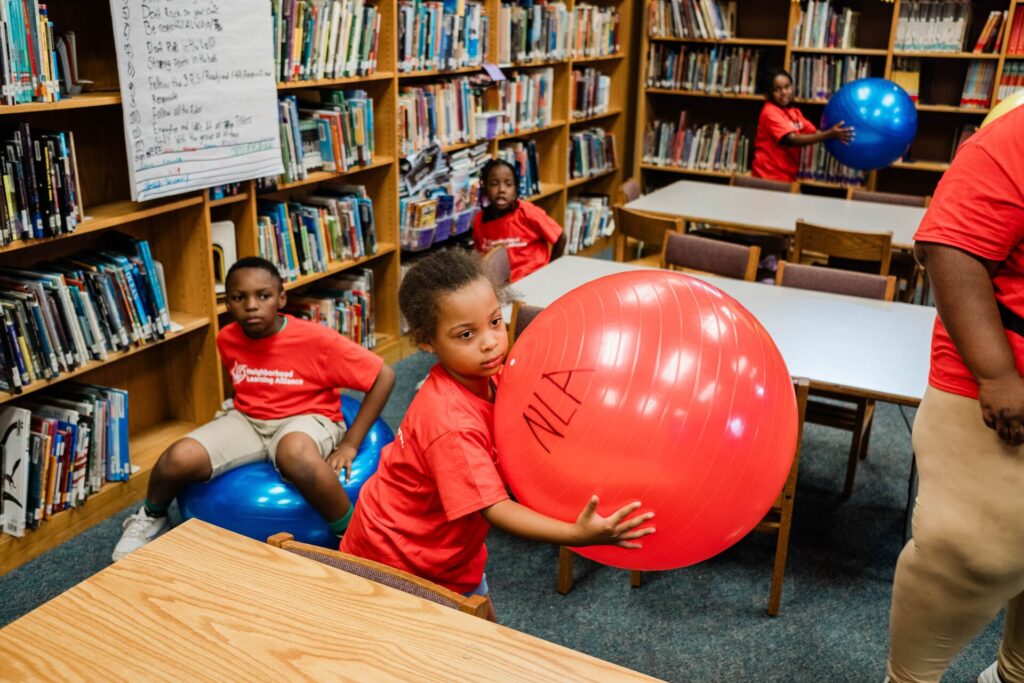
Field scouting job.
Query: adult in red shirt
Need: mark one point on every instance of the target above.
(531, 236)
(782, 130)
(286, 374)
(966, 560)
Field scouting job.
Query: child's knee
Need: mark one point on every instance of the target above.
(298, 457)
(186, 458)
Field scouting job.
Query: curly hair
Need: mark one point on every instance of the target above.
(428, 281)
(253, 262)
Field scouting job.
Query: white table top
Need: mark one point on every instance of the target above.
(858, 346)
(779, 211)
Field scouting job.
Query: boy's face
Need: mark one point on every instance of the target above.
(501, 187)
(254, 297)
(470, 340)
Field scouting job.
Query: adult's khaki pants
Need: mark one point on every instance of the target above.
(966, 559)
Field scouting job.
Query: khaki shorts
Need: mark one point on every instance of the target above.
(234, 439)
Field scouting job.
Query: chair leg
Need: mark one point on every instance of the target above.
(779, 568)
(636, 579)
(855, 448)
(564, 570)
(869, 416)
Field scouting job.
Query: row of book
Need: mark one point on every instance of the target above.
(707, 147)
(343, 302)
(719, 69)
(532, 31)
(437, 113)
(316, 39)
(58, 316)
(1015, 43)
(335, 223)
(978, 85)
(28, 53)
(332, 135)
(591, 92)
(228, 190)
(588, 218)
(703, 19)
(40, 189)
(826, 24)
(818, 77)
(440, 35)
(816, 164)
(525, 98)
(59, 448)
(591, 151)
(932, 25)
(522, 154)
(990, 40)
(1011, 81)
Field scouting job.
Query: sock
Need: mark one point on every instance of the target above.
(338, 526)
(154, 510)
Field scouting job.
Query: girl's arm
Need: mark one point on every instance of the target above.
(590, 528)
(558, 248)
(373, 403)
(836, 132)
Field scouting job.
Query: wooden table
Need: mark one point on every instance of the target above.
(860, 347)
(778, 212)
(201, 603)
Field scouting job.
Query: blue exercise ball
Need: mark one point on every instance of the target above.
(883, 117)
(254, 501)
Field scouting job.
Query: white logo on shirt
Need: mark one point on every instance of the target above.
(241, 373)
(509, 242)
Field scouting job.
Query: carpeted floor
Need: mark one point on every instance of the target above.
(705, 623)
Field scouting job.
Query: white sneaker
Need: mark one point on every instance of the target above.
(990, 675)
(139, 529)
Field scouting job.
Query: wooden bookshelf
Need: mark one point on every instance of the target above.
(943, 75)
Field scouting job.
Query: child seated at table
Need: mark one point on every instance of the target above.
(438, 488)
(286, 375)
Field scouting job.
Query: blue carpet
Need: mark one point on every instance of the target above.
(704, 623)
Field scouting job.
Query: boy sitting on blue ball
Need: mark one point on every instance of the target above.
(286, 374)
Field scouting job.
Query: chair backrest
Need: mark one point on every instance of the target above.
(497, 267)
(522, 315)
(888, 198)
(644, 227)
(628, 191)
(836, 281)
(691, 252)
(383, 574)
(763, 183)
(867, 252)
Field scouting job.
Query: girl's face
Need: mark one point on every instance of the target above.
(782, 91)
(500, 187)
(470, 340)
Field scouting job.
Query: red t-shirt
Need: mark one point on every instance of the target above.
(979, 207)
(420, 512)
(772, 159)
(526, 230)
(297, 371)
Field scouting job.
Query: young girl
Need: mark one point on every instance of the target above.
(532, 237)
(782, 130)
(438, 489)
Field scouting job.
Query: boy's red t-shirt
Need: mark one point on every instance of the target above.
(297, 371)
(420, 512)
(526, 231)
(979, 207)
(772, 159)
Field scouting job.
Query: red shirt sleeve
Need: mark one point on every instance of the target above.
(977, 207)
(348, 365)
(539, 220)
(465, 474)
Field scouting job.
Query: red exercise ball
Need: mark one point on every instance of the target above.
(650, 386)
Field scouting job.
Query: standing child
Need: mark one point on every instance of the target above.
(438, 489)
(532, 237)
(286, 375)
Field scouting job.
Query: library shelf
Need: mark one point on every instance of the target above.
(322, 176)
(87, 99)
(230, 199)
(336, 82)
(576, 182)
(701, 93)
(615, 111)
(765, 42)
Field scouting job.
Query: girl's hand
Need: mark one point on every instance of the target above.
(593, 529)
(844, 135)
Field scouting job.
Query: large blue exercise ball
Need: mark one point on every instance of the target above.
(883, 117)
(254, 501)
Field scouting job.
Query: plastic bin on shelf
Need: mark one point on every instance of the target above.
(463, 221)
(418, 239)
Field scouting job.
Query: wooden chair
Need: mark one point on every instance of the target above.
(497, 267)
(701, 254)
(841, 411)
(628, 191)
(864, 252)
(904, 266)
(647, 229)
(475, 605)
(522, 315)
(778, 521)
(763, 183)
